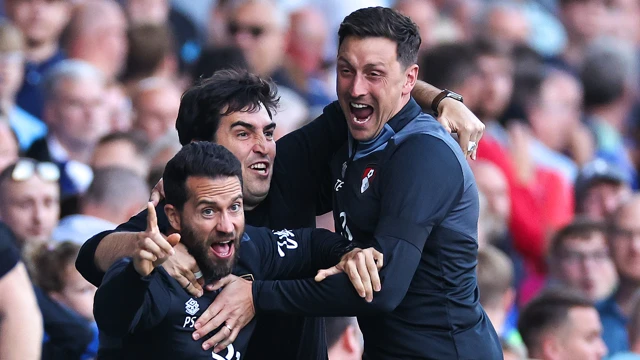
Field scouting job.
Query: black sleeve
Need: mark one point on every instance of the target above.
(9, 253)
(418, 192)
(127, 302)
(291, 254)
(303, 156)
(85, 261)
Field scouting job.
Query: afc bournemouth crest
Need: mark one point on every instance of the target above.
(367, 177)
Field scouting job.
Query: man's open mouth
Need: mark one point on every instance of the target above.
(223, 249)
(360, 113)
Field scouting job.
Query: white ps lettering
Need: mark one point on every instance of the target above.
(338, 185)
(288, 242)
(190, 321)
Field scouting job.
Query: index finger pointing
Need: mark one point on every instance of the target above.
(152, 219)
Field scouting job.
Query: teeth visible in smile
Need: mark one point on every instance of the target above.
(359, 106)
(259, 166)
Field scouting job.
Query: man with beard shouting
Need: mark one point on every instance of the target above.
(150, 312)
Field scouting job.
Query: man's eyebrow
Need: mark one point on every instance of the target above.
(270, 126)
(243, 124)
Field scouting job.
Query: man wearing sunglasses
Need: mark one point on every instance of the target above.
(30, 199)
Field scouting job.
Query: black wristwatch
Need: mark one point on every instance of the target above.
(444, 94)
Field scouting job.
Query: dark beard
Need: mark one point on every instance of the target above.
(211, 270)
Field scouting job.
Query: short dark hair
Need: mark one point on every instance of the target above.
(336, 327)
(581, 227)
(547, 311)
(225, 92)
(197, 159)
(138, 140)
(447, 66)
(387, 23)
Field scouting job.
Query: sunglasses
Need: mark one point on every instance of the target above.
(25, 169)
(255, 31)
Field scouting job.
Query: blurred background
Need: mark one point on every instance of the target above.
(94, 86)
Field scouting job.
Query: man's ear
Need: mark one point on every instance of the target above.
(173, 215)
(411, 77)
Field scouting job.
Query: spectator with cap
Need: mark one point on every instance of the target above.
(344, 339)
(624, 244)
(42, 23)
(579, 259)
(77, 117)
(12, 46)
(599, 189)
(115, 195)
(562, 325)
(30, 200)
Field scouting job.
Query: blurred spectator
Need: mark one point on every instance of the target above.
(8, 145)
(625, 251)
(584, 22)
(259, 28)
(344, 339)
(553, 111)
(115, 195)
(42, 23)
(218, 58)
(77, 117)
(496, 66)
(156, 102)
(217, 33)
(97, 34)
(493, 185)
(151, 54)
(497, 294)
(119, 105)
(66, 301)
(125, 150)
(12, 52)
(562, 325)
(425, 14)
(20, 318)
(54, 271)
(599, 190)
(30, 200)
(506, 22)
(454, 67)
(609, 76)
(187, 38)
(305, 63)
(579, 259)
(623, 24)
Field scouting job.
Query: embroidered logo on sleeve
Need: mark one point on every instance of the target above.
(191, 307)
(288, 242)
